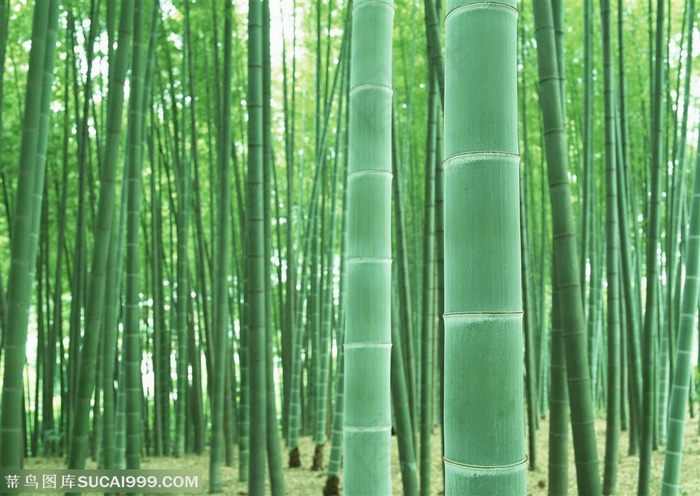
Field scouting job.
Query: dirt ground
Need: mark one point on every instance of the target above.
(303, 482)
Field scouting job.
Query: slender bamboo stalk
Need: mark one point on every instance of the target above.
(682, 372)
(102, 228)
(566, 258)
(653, 231)
(440, 288)
(428, 291)
(529, 306)
(404, 288)
(23, 239)
(558, 403)
(612, 431)
(332, 486)
(288, 330)
(255, 252)
(274, 458)
(38, 227)
(83, 138)
(221, 318)
(588, 176)
(132, 318)
(4, 23)
(432, 30)
(630, 282)
(404, 429)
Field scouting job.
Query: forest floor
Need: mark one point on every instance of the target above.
(302, 481)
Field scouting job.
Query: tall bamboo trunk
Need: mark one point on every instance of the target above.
(612, 431)
(653, 231)
(566, 257)
(367, 413)
(255, 253)
(484, 418)
(682, 372)
(132, 354)
(24, 237)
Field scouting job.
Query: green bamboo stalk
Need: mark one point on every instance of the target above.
(317, 323)
(182, 292)
(4, 23)
(40, 237)
(677, 203)
(588, 139)
(272, 433)
(43, 309)
(230, 407)
(161, 344)
(544, 345)
(629, 307)
(202, 259)
(655, 366)
(111, 321)
(432, 31)
(39, 211)
(653, 230)
(558, 403)
(295, 407)
(401, 222)
(440, 281)
(667, 325)
(318, 156)
(682, 373)
(622, 358)
(195, 400)
(244, 392)
(404, 288)
(288, 331)
(367, 419)
(234, 410)
(255, 252)
(595, 327)
(147, 100)
(680, 150)
(428, 291)
(566, 258)
(221, 319)
(313, 317)
(132, 318)
(529, 306)
(83, 139)
(632, 302)
(529, 330)
(328, 294)
(675, 185)
(49, 422)
(4, 31)
(332, 486)
(42, 143)
(402, 414)
(120, 418)
(20, 280)
(483, 300)
(612, 430)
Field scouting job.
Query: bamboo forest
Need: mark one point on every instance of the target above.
(358, 247)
